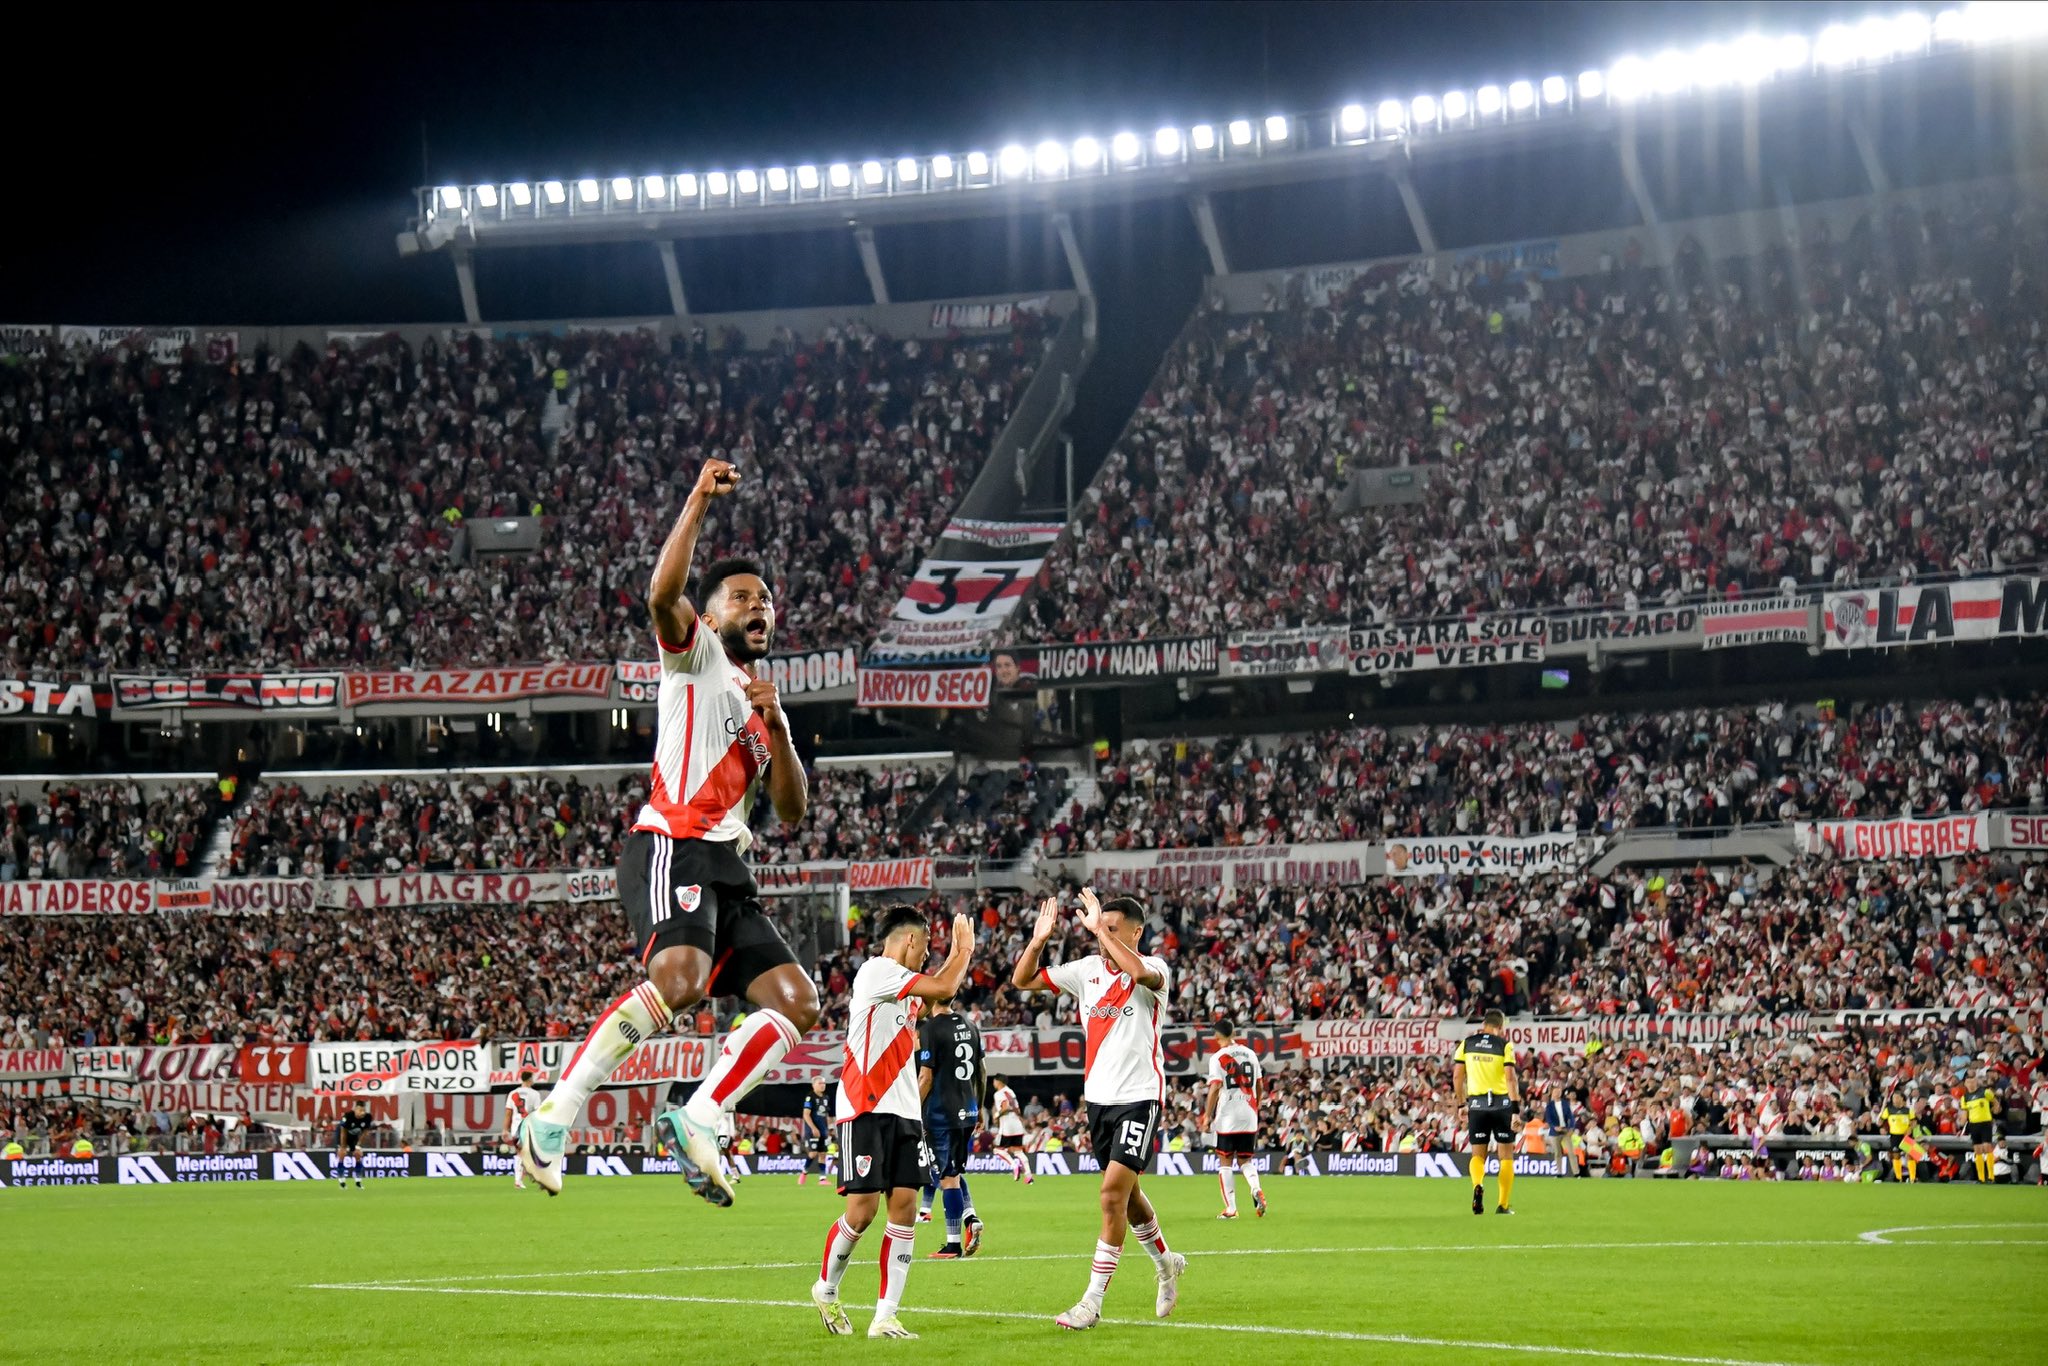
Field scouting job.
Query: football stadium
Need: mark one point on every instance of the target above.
(1280, 683)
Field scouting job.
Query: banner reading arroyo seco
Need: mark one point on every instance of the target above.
(1484, 855)
(436, 688)
(1296, 865)
(1902, 837)
(1414, 646)
(927, 689)
(1935, 613)
(1290, 650)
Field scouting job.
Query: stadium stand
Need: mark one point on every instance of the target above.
(103, 829)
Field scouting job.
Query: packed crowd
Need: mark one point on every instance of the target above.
(1824, 413)
(914, 810)
(111, 829)
(307, 509)
(1694, 768)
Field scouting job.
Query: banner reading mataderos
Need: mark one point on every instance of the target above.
(301, 693)
(1786, 620)
(1902, 837)
(1106, 662)
(1413, 646)
(1290, 650)
(78, 896)
(387, 1069)
(1935, 613)
(1291, 865)
(1484, 855)
(478, 687)
(951, 609)
(34, 699)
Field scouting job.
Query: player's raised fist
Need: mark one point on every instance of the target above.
(767, 702)
(718, 478)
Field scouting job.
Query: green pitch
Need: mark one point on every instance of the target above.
(1344, 1270)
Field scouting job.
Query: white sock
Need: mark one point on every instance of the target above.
(1106, 1255)
(897, 1249)
(764, 1040)
(1152, 1240)
(1226, 1179)
(1251, 1177)
(839, 1245)
(637, 1016)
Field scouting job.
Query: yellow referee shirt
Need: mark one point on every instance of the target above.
(1487, 1058)
(1898, 1123)
(1978, 1109)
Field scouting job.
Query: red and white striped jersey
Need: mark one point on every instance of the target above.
(881, 1041)
(520, 1104)
(1237, 1104)
(1122, 1020)
(710, 746)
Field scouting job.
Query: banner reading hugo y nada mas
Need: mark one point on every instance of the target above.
(1484, 855)
(1904, 837)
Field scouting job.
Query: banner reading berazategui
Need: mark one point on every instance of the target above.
(400, 688)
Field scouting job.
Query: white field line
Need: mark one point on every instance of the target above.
(1878, 1236)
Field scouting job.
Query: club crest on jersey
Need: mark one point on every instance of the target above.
(862, 1163)
(687, 898)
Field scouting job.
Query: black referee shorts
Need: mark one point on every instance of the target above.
(1491, 1122)
(699, 893)
(1984, 1131)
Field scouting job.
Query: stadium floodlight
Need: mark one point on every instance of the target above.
(1556, 90)
(977, 163)
(1712, 67)
(1390, 116)
(1457, 104)
(1203, 137)
(747, 182)
(1592, 85)
(1351, 120)
(1873, 40)
(1013, 161)
(587, 190)
(520, 193)
(1087, 153)
(873, 173)
(686, 185)
(1949, 26)
(807, 177)
(942, 167)
(840, 175)
(1836, 46)
(1166, 142)
(1278, 129)
(1628, 80)
(906, 170)
(778, 180)
(451, 197)
(487, 196)
(655, 186)
(1126, 148)
(1423, 109)
(1050, 158)
(716, 183)
(554, 191)
(1750, 59)
(1521, 95)
(1670, 71)
(622, 187)
(1791, 53)
(1240, 132)
(1911, 32)
(1489, 100)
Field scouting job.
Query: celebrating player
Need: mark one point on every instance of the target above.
(1483, 1075)
(693, 905)
(523, 1102)
(1120, 993)
(1232, 1114)
(1010, 1132)
(817, 1132)
(949, 1077)
(348, 1140)
(882, 1152)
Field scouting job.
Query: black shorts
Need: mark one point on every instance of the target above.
(1491, 1123)
(1125, 1133)
(879, 1153)
(952, 1142)
(1009, 1140)
(818, 1147)
(699, 893)
(1236, 1145)
(1984, 1131)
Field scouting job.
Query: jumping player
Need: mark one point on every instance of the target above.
(1010, 1132)
(348, 1140)
(1232, 1114)
(1120, 993)
(523, 1102)
(694, 907)
(949, 1078)
(817, 1133)
(1483, 1074)
(882, 1153)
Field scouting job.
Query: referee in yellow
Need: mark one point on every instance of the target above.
(1897, 1115)
(1484, 1075)
(1980, 1110)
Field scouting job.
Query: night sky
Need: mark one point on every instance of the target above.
(202, 170)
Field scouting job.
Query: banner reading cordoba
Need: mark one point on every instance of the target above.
(1484, 855)
(1291, 865)
(814, 675)
(1903, 837)
(1412, 646)
(394, 688)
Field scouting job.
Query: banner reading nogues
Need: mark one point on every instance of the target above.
(1484, 855)
(413, 686)
(1903, 837)
(943, 689)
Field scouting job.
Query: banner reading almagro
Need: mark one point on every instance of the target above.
(1106, 663)
(1903, 837)
(1484, 855)
(1935, 613)
(1413, 646)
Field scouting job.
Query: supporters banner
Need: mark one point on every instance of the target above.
(639, 680)
(1139, 872)
(591, 884)
(951, 609)
(811, 676)
(36, 699)
(184, 894)
(948, 689)
(1484, 856)
(1786, 620)
(20, 338)
(671, 1057)
(889, 875)
(262, 895)
(1294, 650)
(1414, 646)
(34, 1064)
(406, 890)
(1619, 632)
(1513, 262)
(1902, 837)
(384, 1069)
(987, 317)
(82, 896)
(163, 343)
(306, 694)
(816, 1057)
(1935, 614)
(794, 879)
(481, 687)
(1401, 1038)
(1003, 535)
(2022, 832)
(1107, 662)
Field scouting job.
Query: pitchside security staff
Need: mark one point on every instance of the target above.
(1484, 1074)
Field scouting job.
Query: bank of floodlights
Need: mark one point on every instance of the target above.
(1750, 60)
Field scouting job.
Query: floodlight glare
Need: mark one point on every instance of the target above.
(1391, 116)
(686, 185)
(1911, 31)
(1592, 85)
(656, 186)
(487, 196)
(1203, 136)
(1050, 158)
(622, 187)
(747, 181)
(1351, 120)
(1489, 100)
(1521, 95)
(1670, 72)
(873, 173)
(521, 193)
(942, 167)
(587, 190)
(451, 197)
(1240, 132)
(1166, 142)
(840, 174)
(778, 180)
(1555, 89)
(1423, 107)
(1126, 148)
(554, 191)
(716, 184)
(1836, 46)
(1750, 58)
(977, 163)
(1013, 161)
(1949, 26)
(1277, 128)
(1791, 53)
(1457, 104)
(906, 169)
(807, 177)
(1087, 153)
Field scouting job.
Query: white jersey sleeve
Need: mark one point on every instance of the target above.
(877, 1076)
(1122, 1020)
(710, 746)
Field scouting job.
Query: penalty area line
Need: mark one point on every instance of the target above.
(1247, 1329)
